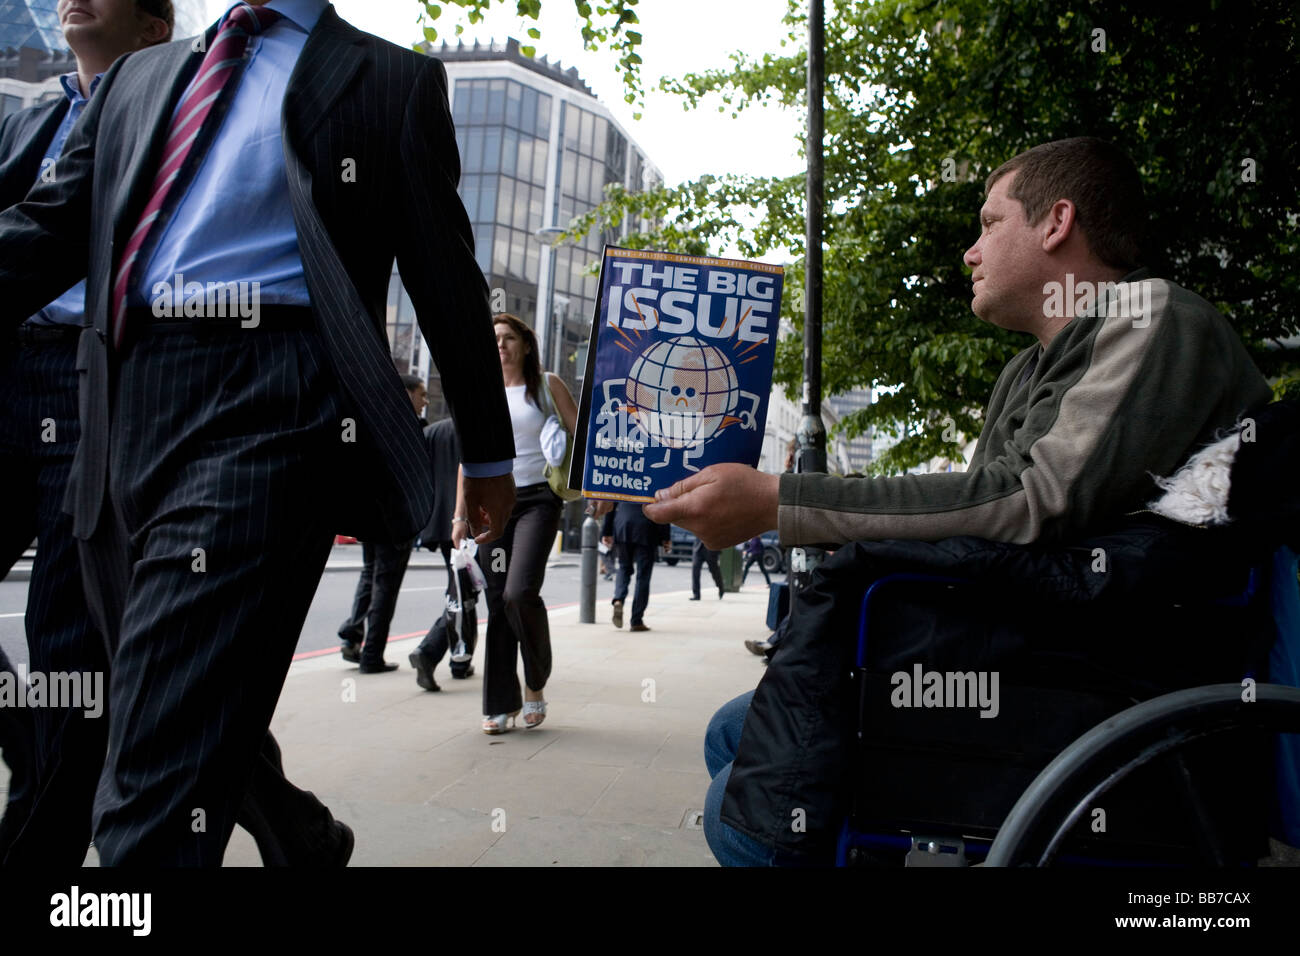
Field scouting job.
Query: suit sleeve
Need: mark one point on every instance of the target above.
(436, 261)
(607, 529)
(45, 239)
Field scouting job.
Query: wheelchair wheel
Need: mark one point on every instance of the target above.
(1038, 824)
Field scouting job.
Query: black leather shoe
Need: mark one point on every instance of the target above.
(423, 671)
(351, 651)
(382, 667)
(300, 830)
(346, 841)
(720, 593)
(695, 597)
(758, 648)
(462, 675)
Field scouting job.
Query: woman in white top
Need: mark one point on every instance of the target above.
(515, 564)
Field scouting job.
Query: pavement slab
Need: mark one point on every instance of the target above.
(614, 777)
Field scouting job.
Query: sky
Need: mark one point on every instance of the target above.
(680, 36)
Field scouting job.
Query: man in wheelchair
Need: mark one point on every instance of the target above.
(1076, 594)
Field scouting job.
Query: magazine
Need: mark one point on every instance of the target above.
(679, 370)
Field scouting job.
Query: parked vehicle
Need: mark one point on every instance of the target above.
(774, 558)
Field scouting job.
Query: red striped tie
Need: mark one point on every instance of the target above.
(218, 66)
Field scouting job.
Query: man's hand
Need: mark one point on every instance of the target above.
(668, 546)
(488, 503)
(722, 505)
(600, 507)
(607, 541)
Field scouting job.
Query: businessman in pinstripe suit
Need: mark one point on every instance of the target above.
(223, 454)
(38, 437)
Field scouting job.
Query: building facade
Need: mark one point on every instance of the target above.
(857, 450)
(782, 427)
(536, 149)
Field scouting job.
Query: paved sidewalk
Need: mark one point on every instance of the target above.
(615, 776)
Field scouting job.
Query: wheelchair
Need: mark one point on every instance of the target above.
(1162, 745)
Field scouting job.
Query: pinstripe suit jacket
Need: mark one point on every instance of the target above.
(24, 137)
(352, 96)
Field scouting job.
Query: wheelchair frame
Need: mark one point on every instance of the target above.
(1036, 827)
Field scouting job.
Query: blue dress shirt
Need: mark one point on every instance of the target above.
(68, 308)
(234, 221)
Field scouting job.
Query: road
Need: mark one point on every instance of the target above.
(420, 602)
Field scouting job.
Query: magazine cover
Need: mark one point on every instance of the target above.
(679, 370)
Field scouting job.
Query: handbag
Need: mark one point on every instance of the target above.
(556, 472)
(778, 604)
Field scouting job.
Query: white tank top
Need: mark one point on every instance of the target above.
(527, 419)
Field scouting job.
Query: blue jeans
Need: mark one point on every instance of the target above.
(729, 845)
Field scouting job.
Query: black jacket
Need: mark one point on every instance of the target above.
(1038, 614)
(24, 137)
(444, 458)
(628, 524)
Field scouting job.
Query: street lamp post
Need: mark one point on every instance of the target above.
(545, 335)
(811, 454)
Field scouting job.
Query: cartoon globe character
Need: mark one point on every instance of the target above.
(682, 392)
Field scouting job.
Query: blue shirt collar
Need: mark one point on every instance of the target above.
(72, 87)
(303, 13)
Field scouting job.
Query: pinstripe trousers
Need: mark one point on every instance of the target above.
(220, 445)
(16, 739)
(38, 439)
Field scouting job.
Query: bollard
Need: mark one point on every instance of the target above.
(590, 559)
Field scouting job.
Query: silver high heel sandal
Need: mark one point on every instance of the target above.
(500, 723)
(534, 708)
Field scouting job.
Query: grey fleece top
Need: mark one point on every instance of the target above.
(1074, 432)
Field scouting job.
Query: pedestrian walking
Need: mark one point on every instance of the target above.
(456, 629)
(634, 537)
(515, 566)
(754, 555)
(701, 555)
(365, 633)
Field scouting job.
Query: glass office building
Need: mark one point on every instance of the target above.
(537, 149)
(32, 53)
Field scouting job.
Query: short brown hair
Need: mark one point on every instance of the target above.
(1098, 178)
(163, 10)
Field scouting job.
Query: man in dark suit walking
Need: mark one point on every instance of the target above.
(38, 438)
(364, 634)
(238, 402)
(635, 537)
(700, 556)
